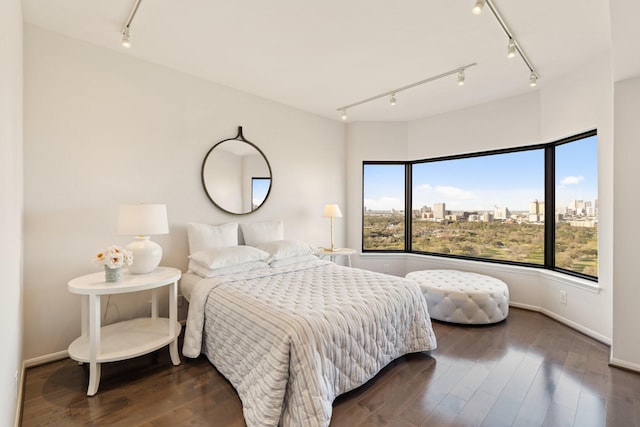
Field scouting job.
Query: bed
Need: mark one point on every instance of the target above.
(292, 332)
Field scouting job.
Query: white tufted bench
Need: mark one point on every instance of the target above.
(463, 297)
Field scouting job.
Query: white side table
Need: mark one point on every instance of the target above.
(129, 338)
(332, 254)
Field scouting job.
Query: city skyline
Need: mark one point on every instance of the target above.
(512, 180)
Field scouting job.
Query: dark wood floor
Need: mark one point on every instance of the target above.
(526, 371)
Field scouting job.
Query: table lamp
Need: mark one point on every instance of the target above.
(142, 221)
(332, 211)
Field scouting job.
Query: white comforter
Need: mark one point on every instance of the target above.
(291, 339)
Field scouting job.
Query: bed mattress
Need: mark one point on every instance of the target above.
(187, 282)
(291, 339)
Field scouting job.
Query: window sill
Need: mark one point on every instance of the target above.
(489, 268)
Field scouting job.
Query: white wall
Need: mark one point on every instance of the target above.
(10, 205)
(581, 101)
(223, 176)
(370, 141)
(103, 129)
(626, 345)
(546, 114)
(506, 123)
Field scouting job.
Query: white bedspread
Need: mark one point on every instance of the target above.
(290, 339)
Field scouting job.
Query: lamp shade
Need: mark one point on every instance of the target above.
(332, 211)
(143, 220)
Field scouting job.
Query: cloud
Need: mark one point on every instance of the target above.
(450, 192)
(571, 180)
(447, 192)
(424, 188)
(384, 204)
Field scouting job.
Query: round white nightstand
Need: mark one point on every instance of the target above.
(332, 254)
(129, 338)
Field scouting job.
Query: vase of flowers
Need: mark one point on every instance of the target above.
(113, 259)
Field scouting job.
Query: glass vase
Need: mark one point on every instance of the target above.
(112, 274)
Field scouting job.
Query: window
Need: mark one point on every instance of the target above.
(383, 206)
(534, 206)
(576, 232)
(259, 191)
(489, 206)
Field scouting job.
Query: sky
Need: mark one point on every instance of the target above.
(259, 189)
(511, 180)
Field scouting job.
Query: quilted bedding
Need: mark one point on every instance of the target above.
(291, 339)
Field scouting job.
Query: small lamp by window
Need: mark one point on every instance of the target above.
(332, 211)
(142, 221)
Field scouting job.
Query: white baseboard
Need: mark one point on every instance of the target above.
(19, 400)
(47, 358)
(624, 364)
(570, 323)
(29, 363)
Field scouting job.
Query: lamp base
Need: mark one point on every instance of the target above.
(146, 255)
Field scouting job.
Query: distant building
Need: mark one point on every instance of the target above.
(439, 211)
(533, 207)
(486, 217)
(536, 207)
(501, 213)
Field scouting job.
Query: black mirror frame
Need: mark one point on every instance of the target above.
(238, 137)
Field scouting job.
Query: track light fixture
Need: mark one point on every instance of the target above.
(392, 93)
(125, 37)
(127, 25)
(477, 7)
(513, 47)
(461, 78)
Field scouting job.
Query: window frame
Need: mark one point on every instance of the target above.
(549, 200)
(407, 179)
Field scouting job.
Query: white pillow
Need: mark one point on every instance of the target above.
(284, 249)
(226, 257)
(205, 272)
(262, 232)
(293, 260)
(204, 236)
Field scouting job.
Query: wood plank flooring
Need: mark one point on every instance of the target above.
(526, 371)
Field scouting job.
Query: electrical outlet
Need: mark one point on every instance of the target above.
(385, 268)
(563, 297)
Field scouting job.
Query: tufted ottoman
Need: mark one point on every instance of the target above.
(462, 297)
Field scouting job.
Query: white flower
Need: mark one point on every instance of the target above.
(114, 257)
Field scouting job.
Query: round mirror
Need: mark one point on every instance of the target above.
(236, 175)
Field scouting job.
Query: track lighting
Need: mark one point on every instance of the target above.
(477, 7)
(392, 93)
(511, 49)
(125, 37)
(127, 24)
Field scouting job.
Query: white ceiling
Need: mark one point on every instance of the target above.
(318, 56)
